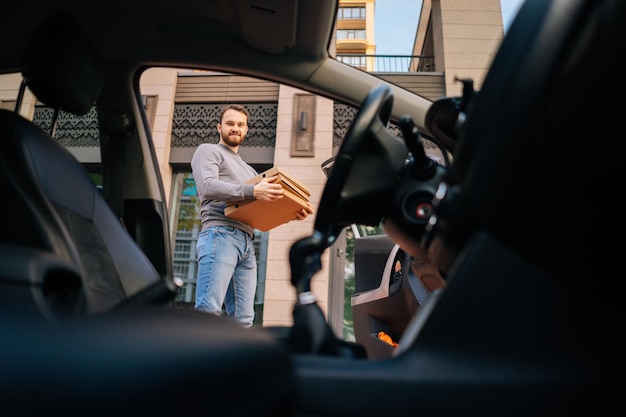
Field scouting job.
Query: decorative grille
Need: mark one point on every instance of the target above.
(343, 116)
(71, 130)
(195, 124)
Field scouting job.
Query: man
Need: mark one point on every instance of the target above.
(227, 272)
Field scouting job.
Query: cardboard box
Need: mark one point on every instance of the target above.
(266, 215)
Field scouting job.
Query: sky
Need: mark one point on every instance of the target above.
(391, 27)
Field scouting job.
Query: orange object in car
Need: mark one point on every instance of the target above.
(386, 338)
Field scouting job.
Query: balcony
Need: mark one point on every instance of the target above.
(389, 63)
(415, 73)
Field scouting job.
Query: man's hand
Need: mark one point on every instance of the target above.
(266, 190)
(303, 213)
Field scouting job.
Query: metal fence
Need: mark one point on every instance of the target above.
(389, 63)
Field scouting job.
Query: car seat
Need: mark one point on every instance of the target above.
(63, 251)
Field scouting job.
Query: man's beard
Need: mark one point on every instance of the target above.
(232, 140)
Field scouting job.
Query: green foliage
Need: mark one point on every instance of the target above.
(348, 322)
(188, 217)
(96, 177)
(350, 279)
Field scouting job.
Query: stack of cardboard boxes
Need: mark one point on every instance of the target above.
(266, 215)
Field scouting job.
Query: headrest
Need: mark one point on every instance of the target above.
(62, 66)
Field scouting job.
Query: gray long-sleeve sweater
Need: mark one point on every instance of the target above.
(220, 175)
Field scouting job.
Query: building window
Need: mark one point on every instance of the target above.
(351, 13)
(354, 61)
(182, 249)
(343, 34)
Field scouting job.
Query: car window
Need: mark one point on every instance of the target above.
(275, 137)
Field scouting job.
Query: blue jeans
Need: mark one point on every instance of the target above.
(226, 273)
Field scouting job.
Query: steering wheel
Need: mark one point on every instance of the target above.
(358, 190)
(360, 182)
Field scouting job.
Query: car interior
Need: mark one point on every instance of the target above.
(105, 267)
(518, 310)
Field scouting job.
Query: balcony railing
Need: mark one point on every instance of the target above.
(389, 63)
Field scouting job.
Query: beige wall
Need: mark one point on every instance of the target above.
(280, 295)
(467, 36)
(9, 89)
(161, 82)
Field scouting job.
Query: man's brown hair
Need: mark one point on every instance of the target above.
(236, 107)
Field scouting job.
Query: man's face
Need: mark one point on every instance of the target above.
(233, 128)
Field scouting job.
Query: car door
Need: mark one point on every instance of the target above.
(390, 287)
